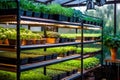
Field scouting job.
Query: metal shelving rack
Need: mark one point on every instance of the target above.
(18, 19)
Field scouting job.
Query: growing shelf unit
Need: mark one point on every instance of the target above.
(17, 19)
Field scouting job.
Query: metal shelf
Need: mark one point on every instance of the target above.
(13, 68)
(46, 63)
(27, 47)
(86, 71)
(10, 67)
(11, 19)
(8, 48)
(16, 19)
(78, 75)
(72, 77)
(25, 18)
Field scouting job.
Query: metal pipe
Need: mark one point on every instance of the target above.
(102, 55)
(82, 50)
(18, 39)
(115, 17)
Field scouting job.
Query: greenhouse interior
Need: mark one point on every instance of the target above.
(59, 40)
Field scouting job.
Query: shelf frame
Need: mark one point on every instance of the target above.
(17, 19)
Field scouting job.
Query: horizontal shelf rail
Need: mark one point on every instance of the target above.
(27, 47)
(11, 19)
(46, 63)
(10, 67)
(49, 21)
(72, 77)
(78, 75)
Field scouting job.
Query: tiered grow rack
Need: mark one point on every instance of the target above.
(16, 19)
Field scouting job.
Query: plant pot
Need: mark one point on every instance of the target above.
(113, 53)
(36, 14)
(69, 73)
(23, 42)
(29, 42)
(22, 12)
(63, 75)
(75, 19)
(51, 16)
(72, 52)
(1, 41)
(57, 40)
(51, 40)
(12, 41)
(62, 40)
(6, 42)
(29, 13)
(69, 53)
(37, 42)
(23, 61)
(35, 59)
(43, 41)
(55, 17)
(55, 77)
(44, 15)
(70, 19)
(72, 40)
(54, 56)
(69, 40)
(63, 18)
(75, 71)
(65, 54)
(48, 57)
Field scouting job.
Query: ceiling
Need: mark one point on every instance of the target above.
(72, 3)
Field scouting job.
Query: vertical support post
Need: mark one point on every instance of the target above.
(115, 17)
(76, 30)
(45, 70)
(82, 50)
(102, 55)
(57, 29)
(29, 27)
(45, 33)
(18, 40)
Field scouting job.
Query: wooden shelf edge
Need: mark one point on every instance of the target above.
(8, 67)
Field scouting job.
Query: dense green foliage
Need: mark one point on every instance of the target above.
(37, 74)
(62, 67)
(11, 33)
(49, 9)
(14, 56)
(111, 41)
(51, 34)
(87, 63)
(4, 4)
(29, 75)
(73, 36)
(62, 50)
